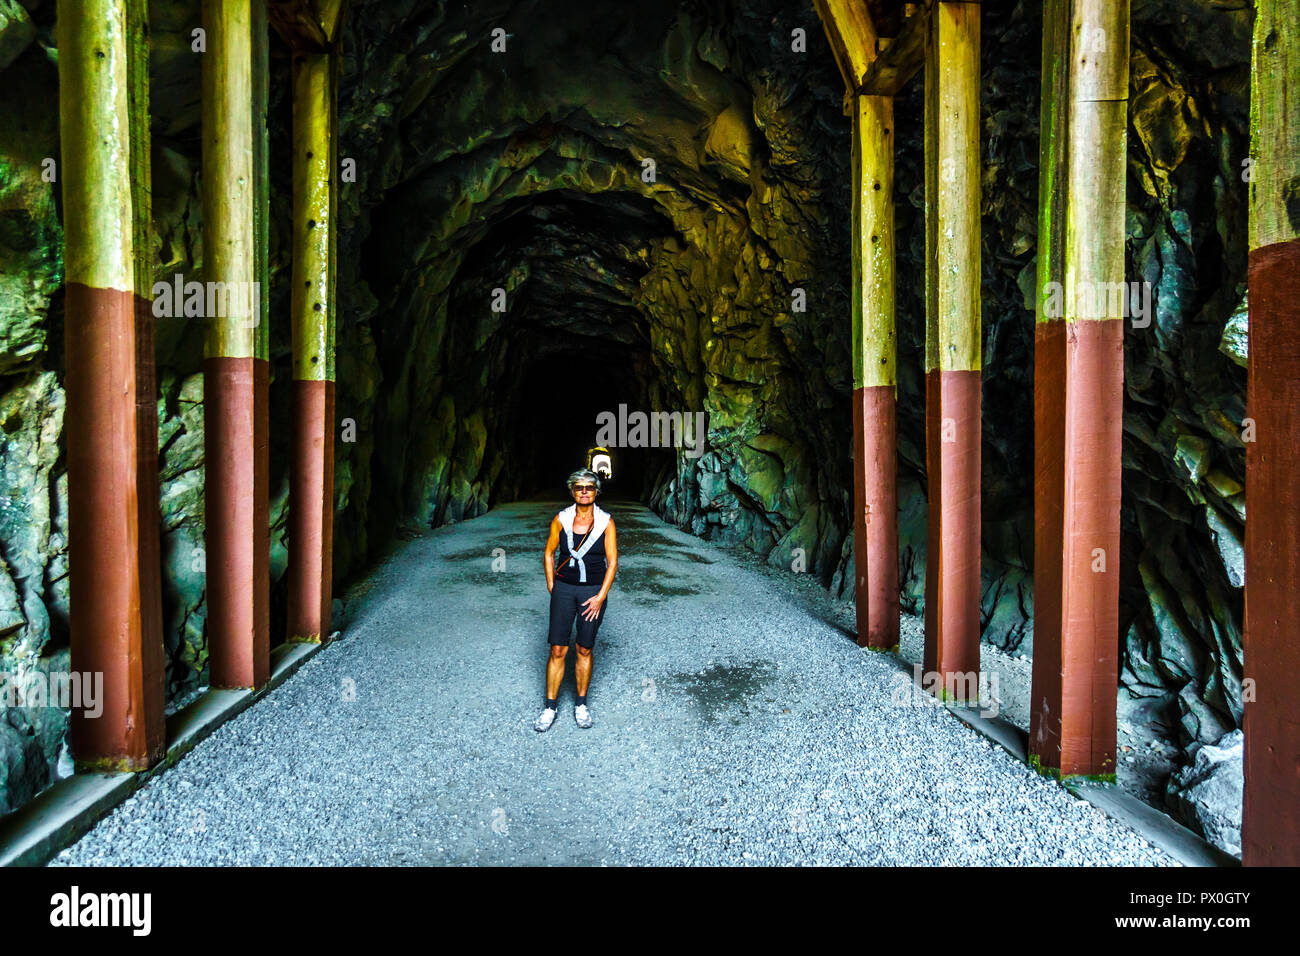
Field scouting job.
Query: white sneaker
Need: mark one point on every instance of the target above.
(544, 720)
(582, 716)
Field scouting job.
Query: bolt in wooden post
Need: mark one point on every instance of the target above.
(875, 447)
(113, 631)
(952, 346)
(1270, 828)
(1079, 387)
(235, 377)
(311, 496)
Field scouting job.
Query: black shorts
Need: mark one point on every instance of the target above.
(566, 607)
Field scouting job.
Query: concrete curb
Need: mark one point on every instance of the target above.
(62, 814)
(1163, 831)
(1155, 827)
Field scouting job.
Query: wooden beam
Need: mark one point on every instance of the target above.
(1270, 833)
(874, 338)
(311, 493)
(228, 150)
(1049, 392)
(234, 376)
(1094, 384)
(153, 689)
(308, 26)
(99, 68)
(332, 16)
(1079, 392)
(875, 452)
(852, 37)
(953, 346)
(1054, 116)
(261, 198)
(260, 86)
(1275, 134)
(898, 60)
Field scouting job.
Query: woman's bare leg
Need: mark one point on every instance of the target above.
(582, 669)
(555, 671)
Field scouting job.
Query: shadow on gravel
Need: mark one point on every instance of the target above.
(673, 553)
(642, 582)
(725, 687)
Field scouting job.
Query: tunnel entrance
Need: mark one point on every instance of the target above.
(554, 408)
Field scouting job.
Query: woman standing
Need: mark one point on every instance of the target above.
(584, 534)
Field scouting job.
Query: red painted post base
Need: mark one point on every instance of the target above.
(1079, 406)
(311, 511)
(1270, 827)
(952, 572)
(875, 524)
(110, 645)
(235, 512)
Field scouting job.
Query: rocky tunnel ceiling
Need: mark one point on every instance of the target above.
(526, 171)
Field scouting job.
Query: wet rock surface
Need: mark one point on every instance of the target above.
(1207, 795)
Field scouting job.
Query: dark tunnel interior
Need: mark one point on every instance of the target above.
(555, 406)
(534, 321)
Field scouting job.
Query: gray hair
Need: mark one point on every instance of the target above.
(584, 474)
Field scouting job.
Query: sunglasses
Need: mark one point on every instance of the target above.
(584, 487)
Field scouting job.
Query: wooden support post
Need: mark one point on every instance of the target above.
(261, 89)
(1079, 387)
(1049, 378)
(113, 633)
(875, 443)
(1270, 830)
(235, 377)
(311, 495)
(146, 387)
(953, 346)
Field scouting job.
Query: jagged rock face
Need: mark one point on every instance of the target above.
(1184, 460)
(1206, 794)
(715, 279)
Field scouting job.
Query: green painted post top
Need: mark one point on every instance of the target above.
(874, 334)
(234, 296)
(312, 302)
(95, 134)
(1275, 124)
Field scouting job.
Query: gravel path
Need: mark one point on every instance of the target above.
(736, 722)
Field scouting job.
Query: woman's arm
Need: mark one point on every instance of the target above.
(552, 542)
(591, 606)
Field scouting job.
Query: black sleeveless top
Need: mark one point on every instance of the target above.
(594, 559)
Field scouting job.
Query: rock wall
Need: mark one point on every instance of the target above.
(33, 565)
(713, 277)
